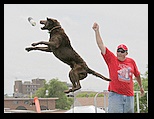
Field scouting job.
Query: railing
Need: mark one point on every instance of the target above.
(137, 100)
(105, 92)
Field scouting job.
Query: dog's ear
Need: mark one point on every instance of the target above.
(48, 19)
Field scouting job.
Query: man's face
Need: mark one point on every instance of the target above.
(121, 54)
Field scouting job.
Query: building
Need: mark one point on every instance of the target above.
(86, 101)
(27, 103)
(27, 88)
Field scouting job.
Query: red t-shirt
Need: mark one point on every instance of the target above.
(121, 73)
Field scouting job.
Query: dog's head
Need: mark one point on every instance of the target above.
(49, 23)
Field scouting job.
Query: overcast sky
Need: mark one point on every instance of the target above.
(119, 23)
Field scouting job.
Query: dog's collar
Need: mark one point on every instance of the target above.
(54, 28)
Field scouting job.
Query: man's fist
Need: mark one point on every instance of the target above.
(95, 26)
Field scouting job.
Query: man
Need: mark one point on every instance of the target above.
(121, 71)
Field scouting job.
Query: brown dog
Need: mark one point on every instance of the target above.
(59, 44)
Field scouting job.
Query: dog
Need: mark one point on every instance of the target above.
(59, 44)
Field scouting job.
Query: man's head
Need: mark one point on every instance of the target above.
(122, 51)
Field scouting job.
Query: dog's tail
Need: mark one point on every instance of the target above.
(90, 71)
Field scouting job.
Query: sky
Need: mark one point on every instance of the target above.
(119, 23)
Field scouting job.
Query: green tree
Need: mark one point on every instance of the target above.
(142, 100)
(41, 91)
(56, 89)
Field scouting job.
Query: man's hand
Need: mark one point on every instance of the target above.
(142, 91)
(95, 26)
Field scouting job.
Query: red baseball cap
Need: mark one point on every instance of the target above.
(124, 47)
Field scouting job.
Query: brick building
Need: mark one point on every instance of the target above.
(26, 103)
(27, 88)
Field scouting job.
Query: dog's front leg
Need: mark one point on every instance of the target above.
(46, 49)
(41, 42)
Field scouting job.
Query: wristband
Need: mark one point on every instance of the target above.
(141, 86)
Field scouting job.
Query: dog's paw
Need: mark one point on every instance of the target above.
(67, 91)
(34, 44)
(29, 49)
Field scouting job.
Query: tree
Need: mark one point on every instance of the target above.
(42, 91)
(142, 100)
(56, 89)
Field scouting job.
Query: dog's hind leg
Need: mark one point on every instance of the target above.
(71, 76)
(74, 78)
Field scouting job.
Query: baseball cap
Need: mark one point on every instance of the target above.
(124, 47)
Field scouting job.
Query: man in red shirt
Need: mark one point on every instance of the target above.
(121, 71)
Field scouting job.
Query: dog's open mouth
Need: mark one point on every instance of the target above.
(44, 23)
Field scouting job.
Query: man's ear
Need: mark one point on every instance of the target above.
(126, 53)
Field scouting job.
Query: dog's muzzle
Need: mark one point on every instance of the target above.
(43, 22)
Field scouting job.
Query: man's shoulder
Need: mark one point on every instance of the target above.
(129, 59)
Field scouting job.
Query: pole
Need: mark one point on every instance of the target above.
(47, 97)
(37, 104)
(137, 100)
(95, 101)
(73, 102)
(147, 99)
(105, 92)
